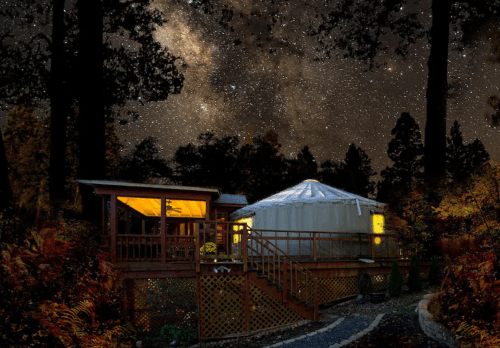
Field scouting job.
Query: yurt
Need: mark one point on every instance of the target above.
(314, 207)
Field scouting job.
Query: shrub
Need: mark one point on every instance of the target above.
(57, 289)
(434, 273)
(470, 300)
(182, 335)
(414, 277)
(395, 280)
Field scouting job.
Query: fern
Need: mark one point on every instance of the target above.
(480, 337)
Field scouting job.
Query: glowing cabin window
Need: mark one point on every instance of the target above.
(174, 208)
(247, 220)
(378, 223)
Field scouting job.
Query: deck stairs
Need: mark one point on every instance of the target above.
(282, 277)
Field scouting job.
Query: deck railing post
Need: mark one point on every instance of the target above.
(316, 317)
(114, 228)
(197, 249)
(314, 246)
(244, 246)
(285, 280)
(163, 230)
(372, 241)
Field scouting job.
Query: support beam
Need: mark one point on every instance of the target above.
(114, 228)
(163, 230)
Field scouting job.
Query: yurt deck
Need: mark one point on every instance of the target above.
(245, 281)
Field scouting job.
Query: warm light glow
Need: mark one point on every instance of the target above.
(247, 220)
(378, 240)
(378, 223)
(236, 238)
(175, 208)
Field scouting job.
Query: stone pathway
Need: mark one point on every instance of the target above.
(341, 332)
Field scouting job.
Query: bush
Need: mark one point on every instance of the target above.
(395, 280)
(57, 289)
(414, 278)
(470, 300)
(182, 335)
(434, 277)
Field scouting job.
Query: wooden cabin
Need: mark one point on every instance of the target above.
(180, 254)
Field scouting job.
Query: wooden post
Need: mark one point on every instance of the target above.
(197, 250)
(247, 302)
(114, 227)
(314, 246)
(316, 317)
(284, 281)
(163, 230)
(244, 247)
(130, 292)
(372, 240)
(127, 214)
(143, 227)
(104, 221)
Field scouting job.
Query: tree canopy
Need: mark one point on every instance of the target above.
(359, 29)
(405, 151)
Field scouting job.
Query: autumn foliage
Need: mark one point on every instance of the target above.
(58, 290)
(470, 300)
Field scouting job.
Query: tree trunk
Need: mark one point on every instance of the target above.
(91, 142)
(5, 189)
(437, 90)
(58, 105)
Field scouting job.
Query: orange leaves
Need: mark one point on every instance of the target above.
(61, 292)
(470, 297)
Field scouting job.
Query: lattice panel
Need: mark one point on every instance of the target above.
(222, 305)
(379, 282)
(266, 311)
(160, 302)
(330, 289)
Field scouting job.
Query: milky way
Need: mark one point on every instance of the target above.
(249, 67)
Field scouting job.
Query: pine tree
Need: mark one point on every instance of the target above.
(353, 174)
(406, 151)
(302, 168)
(144, 163)
(462, 159)
(395, 284)
(434, 277)
(414, 277)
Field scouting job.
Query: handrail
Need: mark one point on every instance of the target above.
(329, 245)
(283, 270)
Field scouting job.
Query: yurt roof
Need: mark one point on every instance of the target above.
(307, 192)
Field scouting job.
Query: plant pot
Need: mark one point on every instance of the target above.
(377, 297)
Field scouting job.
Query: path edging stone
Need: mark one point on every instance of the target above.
(432, 328)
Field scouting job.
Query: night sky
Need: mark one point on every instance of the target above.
(242, 78)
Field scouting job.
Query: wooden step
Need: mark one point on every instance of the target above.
(272, 290)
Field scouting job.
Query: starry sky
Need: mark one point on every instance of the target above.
(241, 78)
(257, 70)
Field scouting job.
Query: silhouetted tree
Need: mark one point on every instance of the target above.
(462, 159)
(144, 164)
(355, 171)
(406, 151)
(91, 67)
(302, 167)
(328, 174)
(5, 188)
(357, 29)
(263, 169)
(214, 163)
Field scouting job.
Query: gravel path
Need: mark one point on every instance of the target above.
(342, 331)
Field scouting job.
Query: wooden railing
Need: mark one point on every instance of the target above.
(141, 248)
(332, 245)
(283, 270)
(229, 238)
